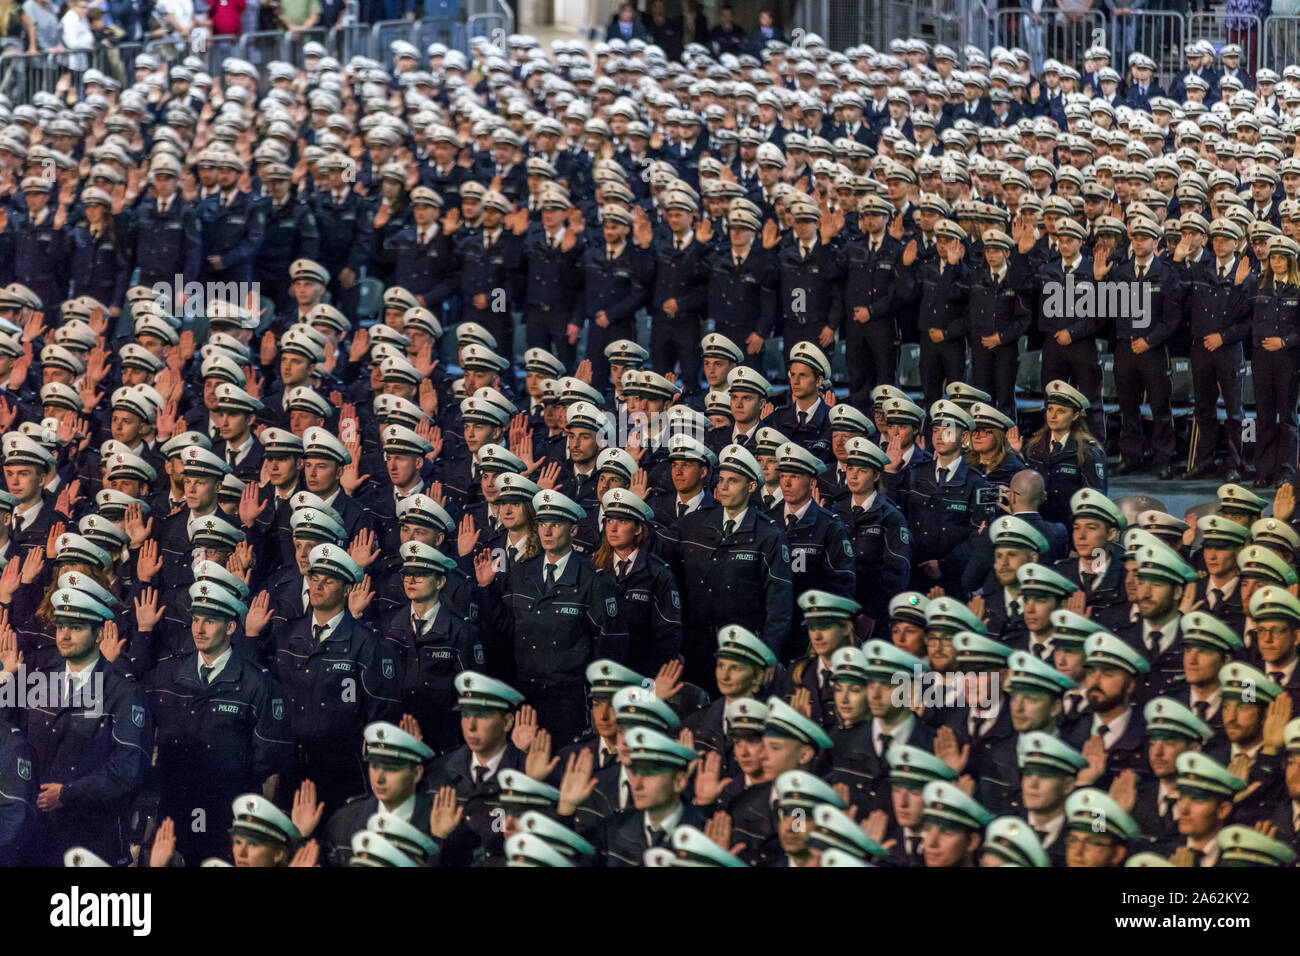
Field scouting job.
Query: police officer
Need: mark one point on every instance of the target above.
(290, 235)
(344, 228)
(820, 552)
(877, 531)
(650, 606)
(809, 270)
(222, 727)
(562, 614)
(395, 806)
(679, 294)
(617, 275)
(944, 504)
(742, 286)
(806, 419)
(1064, 452)
(166, 241)
(337, 675)
(91, 739)
(232, 226)
(431, 642)
(1162, 577)
(733, 564)
(872, 296)
(1217, 310)
(551, 253)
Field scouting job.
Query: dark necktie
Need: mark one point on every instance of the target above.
(1013, 611)
(1056, 447)
(479, 774)
(1198, 857)
(1087, 579)
(1202, 708)
(418, 625)
(316, 631)
(728, 528)
(913, 847)
(1102, 731)
(1153, 643)
(768, 501)
(681, 509)
(1167, 804)
(1040, 651)
(791, 521)
(1216, 596)
(885, 741)
(622, 570)
(627, 795)
(606, 758)
(550, 575)
(1277, 677)
(803, 419)
(657, 837)
(18, 523)
(205, 674)
(1071, 706)
(858, 511)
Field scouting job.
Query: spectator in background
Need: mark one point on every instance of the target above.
(726, 36)
(16, 33)
(248, 17)
(78, 38)
(695, 26)
(174, 17)
(227, 16)
(767, 30)
(125, 15)
(43, 16)
(297, 15)
(1244, 31)
(664, 30)
(626, 26)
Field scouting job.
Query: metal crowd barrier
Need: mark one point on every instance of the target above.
(1280, 42)
(1047, 35)
(1160, 34)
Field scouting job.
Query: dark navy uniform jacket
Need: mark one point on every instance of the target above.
(167, 244)
(99, 748)
(551, 274)
(100, 266)
(942, 519)
(811, 291)
(490, 270)
(428, 664)
(428, 270)
(744, 579)
(232, 231)
(1064, 473)
(872, 278)
(742, 296)
(351, 818)
(650, 610)
(882, 553)
(17, 796)
(344, 231)
(621, 838)
(337, 686)
(559, 631)
(479, 828)
(215, 742)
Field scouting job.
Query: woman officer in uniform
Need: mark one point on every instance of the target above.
(649, 604)
(1064, 452)
(1275, 356)
(877, 530)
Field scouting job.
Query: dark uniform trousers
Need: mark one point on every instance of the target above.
(335, 687)
(213, 743)
(1077, 362)
(871, 347)
(1135, 375)
(1277, 315)
(558, 630)
(1214, 304)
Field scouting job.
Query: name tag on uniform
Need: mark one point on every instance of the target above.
(341, 666)
(637, 596)
(1068, 470)
(570, 609)
(173, 224)
(956, 506)
(237, 220)
(228, 708)
(744, 556)
(440, 653)
(886, 265)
